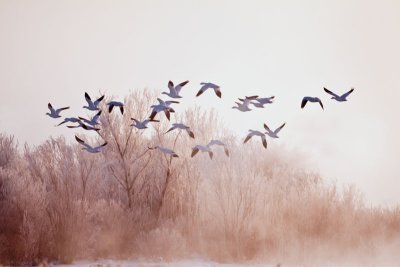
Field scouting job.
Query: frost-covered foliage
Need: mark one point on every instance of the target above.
(58, 202)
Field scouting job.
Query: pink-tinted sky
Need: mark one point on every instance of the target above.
(55, 50)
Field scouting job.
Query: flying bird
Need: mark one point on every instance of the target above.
(93, 121)
(70, 119)
(273, 134)
(206, 86)
(201, 148)
(175, 90)
(256, 133)
(55, 113)
(341, 98)
(89, 148)
(84, 126)
(165, 151)
(244, 106)
(311, 99)
(92, 105)
(219, 143)
(162, 106)
(113, 104)
(181, 126)
(260, 102)
(141, 124)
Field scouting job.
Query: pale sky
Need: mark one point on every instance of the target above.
(54, 51)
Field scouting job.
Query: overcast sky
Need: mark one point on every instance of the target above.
(54, 51)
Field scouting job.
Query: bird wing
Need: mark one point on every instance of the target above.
(167, 114)
(179, 87)
(267, 128)
(211, 154)
(61, 109)
(279, 128)
(51, 108)
(217, 92)
(320, 102)
(347, 94)
(122, 109)
(170, 86)
(330, 92)
(98, 100)
(250, 135)
(110, 108)
(191, 134)
(264, 141)
(82, 142)
(202, 89)
(194, 151)
(97, 147)
(304, 102)
(226, 151)
(87, 97)
(170, 129)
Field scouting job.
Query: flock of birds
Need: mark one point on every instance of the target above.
(164, 106)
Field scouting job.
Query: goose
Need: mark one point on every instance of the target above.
(113, 104)
(244, 106)
(338, 98)
(182, 127)
(55, 113)
(92, 105)
(202, 149)
(273, 134)
(311, 99)
(256, 133)
(165, 151)
(208, 85)
(84, 126)
(175, 90)
(162, 106)
(93, 121)
(141, 124)
(260, 102)
(70, 119)
(219, 143)
(89, 148)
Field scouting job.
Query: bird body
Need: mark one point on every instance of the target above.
(202, 148)
(175, 90)
(162, 106)
(113, 104)
(311, 99)
(92, 105)
(256, 133)
(55, 113)
(219, 143)
(181, 126)
(93, 121)
(141, 124)
(206, 86)
(165, 151)
(273, 134)
(89, 148)
(338, 98)
(260, 102)
(70, 119)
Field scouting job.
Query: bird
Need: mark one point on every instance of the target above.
(182, 127)
(141, 124)
(273, 134)
(84, 126)
(256, 133)
(162, 106)
(113, 104)
(311, 99)
(70, 119)
(260, 102)
(92, 105)
(55, 113)
(208, 85)
(202, 148)
(165, 151)
(244, 106)
(89, 148)
(93, 121)
(338, 98)
(219, 143)
(175, 90)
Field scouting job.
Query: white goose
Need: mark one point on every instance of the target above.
(113, 104)
(92, 105)
(93, 121)
(165, 151)
(206, 86)
(202, 149)
(181, 126)
(55, 113)
(219, 143)
(341, 98)
(141, 124)
(84, 126)
(175, 90)
(162, 106)
(89, 148)
(256, 133)
(273, 134)
(70, 119)
(311, 99)
(244, 106)
(260, 102)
